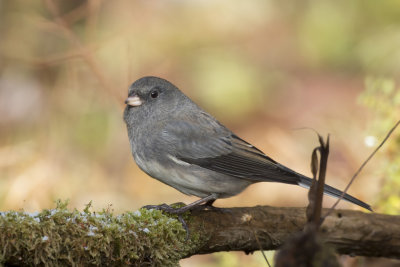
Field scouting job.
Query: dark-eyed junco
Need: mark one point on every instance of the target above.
(176, 142)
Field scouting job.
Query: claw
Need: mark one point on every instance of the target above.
(162, 207)
(208, 201)
(168, 209)
(184, 225)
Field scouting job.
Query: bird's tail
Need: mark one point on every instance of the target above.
(329, 190)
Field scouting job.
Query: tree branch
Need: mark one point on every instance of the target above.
(350, 232)
(63, 237)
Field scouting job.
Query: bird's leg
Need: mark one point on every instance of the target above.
(208, 200)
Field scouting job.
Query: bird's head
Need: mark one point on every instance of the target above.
(151, 98)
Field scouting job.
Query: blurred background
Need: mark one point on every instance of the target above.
(269, 70)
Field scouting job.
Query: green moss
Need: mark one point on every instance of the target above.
(62, 237)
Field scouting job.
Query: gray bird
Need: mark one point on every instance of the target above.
(176, 142)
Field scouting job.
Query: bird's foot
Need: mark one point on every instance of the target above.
(166, 208)
(177, 211)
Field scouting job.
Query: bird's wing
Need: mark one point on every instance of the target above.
(218, 149)
(203, 141)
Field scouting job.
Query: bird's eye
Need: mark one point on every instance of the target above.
(154, 94)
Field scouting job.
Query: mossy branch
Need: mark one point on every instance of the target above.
(60, 237)
(63, 237)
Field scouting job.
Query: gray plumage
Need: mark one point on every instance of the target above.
(174, 141)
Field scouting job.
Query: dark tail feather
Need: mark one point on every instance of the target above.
(329, 190)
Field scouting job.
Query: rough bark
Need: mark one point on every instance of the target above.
(349, 232)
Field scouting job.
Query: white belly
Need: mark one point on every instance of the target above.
(194, 180)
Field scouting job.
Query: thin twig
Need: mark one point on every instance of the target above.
(324, 153)
(261, 249)
(84, 52)
(315, 194)
(360, 169)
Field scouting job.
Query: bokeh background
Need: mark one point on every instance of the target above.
(269, 70)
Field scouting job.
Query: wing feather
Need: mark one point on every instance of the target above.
(203, 141)
(248, 163)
